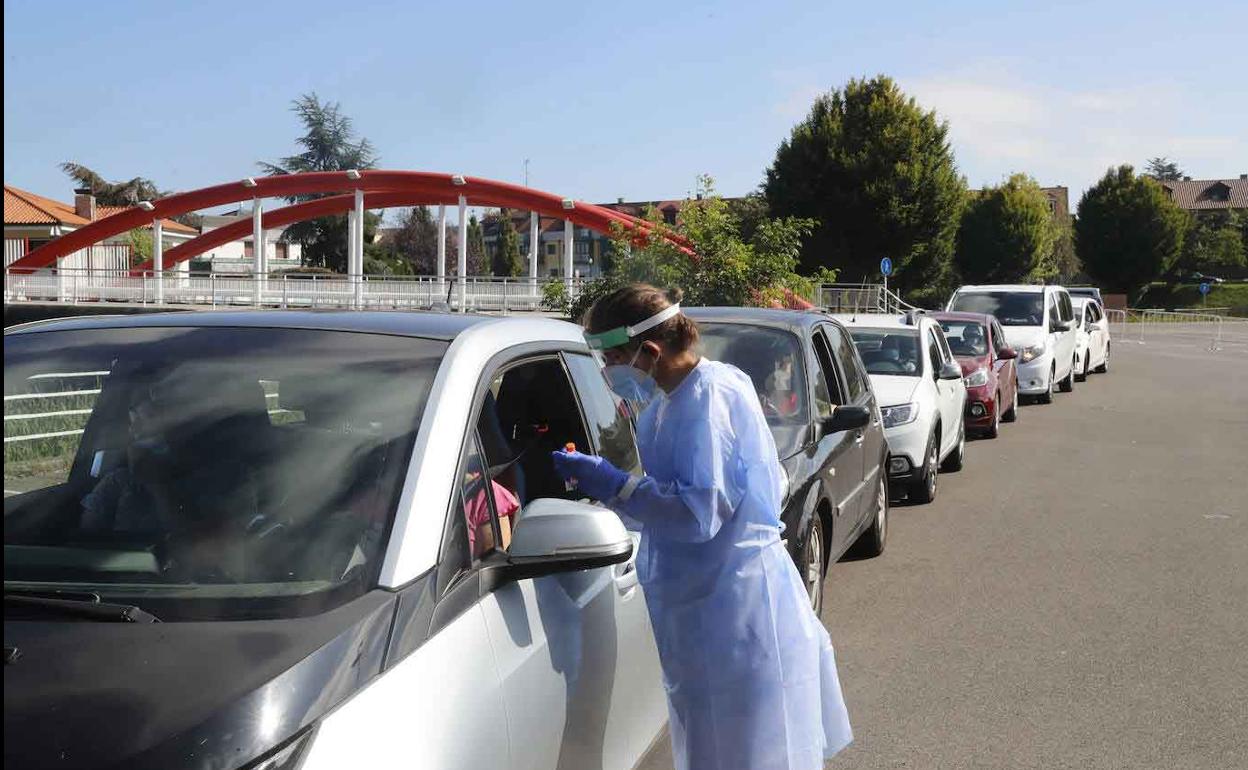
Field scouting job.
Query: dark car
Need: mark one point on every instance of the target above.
(1086, 291)
(822, 412)
(988, 367)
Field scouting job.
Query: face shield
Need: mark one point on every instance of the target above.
(635, 386)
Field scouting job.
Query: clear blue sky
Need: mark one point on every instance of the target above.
(611, 100)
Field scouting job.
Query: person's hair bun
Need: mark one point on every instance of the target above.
(675, 295)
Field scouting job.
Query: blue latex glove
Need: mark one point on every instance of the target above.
(594, 476)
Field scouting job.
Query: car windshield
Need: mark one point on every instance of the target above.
(207, 472)
(966, 338)
(1012, 308)
(772, 358)
(889, 351)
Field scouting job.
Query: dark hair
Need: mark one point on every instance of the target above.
(635, 303)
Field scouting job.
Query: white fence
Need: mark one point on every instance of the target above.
(286, 291)
(102, 258)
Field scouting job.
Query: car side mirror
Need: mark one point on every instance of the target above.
(552, 536)
(845, 418)
(951, 371)
(1007, 353)
(1060, 326)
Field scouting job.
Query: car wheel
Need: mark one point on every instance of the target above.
(1047, 396)
(994, 429)
(953, 462)
(1104, 367)
(1083, 371)
(871, 542)
(924, 490)
(812, 563)
(1012, 414)
(1068, 385)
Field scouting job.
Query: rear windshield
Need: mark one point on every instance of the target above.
(207, 472)
(966, 338)
(889, 351)
(1012, 308)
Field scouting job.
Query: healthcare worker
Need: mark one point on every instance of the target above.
(749, 670)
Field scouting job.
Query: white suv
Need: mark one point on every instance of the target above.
(1038, 323)
(921, 393)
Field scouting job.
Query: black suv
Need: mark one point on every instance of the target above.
(822, 411)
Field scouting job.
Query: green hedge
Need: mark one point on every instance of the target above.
(1187, 296)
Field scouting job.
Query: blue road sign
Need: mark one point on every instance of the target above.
(1204, 288)
(886, 266)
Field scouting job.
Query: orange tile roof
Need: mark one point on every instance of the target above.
(1193, 194)
(22, 207)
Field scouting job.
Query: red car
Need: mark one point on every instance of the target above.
(988, 368)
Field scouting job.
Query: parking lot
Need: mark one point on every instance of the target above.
(1077, 596)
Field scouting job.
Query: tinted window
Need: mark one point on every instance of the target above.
(610, 428)
(966, 338)
(998, 337)
(889, 351)
(1055, 312)
(220, 470)
(1064, 304)
(847, 354)
(1011, 308)
(828, 393)
(933, 353)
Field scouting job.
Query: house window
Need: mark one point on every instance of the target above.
(582, 249)
(249, 251)
(551, 249)
(282, 250)
(1052, 206)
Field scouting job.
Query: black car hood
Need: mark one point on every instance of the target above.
(181, 695)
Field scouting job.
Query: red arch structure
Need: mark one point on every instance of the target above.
(381, 189)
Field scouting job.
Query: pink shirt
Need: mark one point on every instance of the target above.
(477, 512)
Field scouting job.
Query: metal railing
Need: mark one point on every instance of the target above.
(364, 292)
(1217, 331)
(859, 298)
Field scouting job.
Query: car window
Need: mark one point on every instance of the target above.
(610, 425)
(1012, 308)
(846, 354)
(828, 393)
(933, 353)
(772, 359)
(486, 506)
(1054, 312)
(966, 338)
(224, 470)
(998, 338)
(528, 411)
(889, 351)
(1068, 313)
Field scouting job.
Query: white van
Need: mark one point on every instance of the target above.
(1039, 323)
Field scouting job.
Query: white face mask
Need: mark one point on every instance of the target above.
(633, 385)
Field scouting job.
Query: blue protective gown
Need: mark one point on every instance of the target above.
(749, 669)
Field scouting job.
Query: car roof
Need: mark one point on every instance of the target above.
(1015, 287)
(879, 321)
(429, 325)
(794, 320)
(962, 315)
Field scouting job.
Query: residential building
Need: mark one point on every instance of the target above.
(32, 220)
(238, 257)
(1208, 195)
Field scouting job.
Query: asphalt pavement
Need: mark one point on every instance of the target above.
(1077, 596)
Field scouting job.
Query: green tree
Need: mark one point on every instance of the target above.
(1007, 234)
(1064, 259)
(416, 241)
(1217, 241)
(876, 173)
(1128, 232)
(1163, 169)
(506, 262)
(476, 246)
(126, 193)
(328, 143)
(724, 269)
(141, 245)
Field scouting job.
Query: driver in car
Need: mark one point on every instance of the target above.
(129, 498)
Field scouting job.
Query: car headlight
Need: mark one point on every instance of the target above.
(977, 378)
(1032, 352)
(899, 415)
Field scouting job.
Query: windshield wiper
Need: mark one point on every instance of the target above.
(86, 605)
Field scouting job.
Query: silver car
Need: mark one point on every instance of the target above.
(316, 540)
